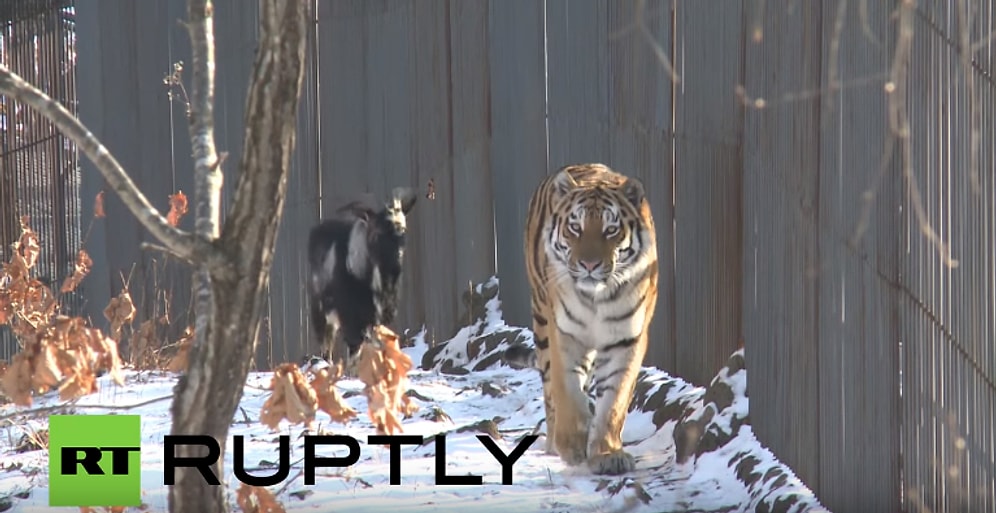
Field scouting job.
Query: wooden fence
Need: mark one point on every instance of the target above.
(805, 169)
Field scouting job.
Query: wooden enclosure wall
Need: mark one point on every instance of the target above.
(947, 306)
(486, 98)
(871, 360)
(788, 164)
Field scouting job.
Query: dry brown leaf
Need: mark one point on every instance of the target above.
(6, 307)
(292, 398)
(110, 509)
(329, 399)
(46, 372)
(57, 351)
(79, 385)
(104, 351)
(254, 499)
(120, 311)
(81, 268)
(181, 360)
(385, 372)
(142, 341)
(27, 248)
(16, 382)
(98, 206)
(177, 208)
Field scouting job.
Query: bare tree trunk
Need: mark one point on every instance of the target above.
(207, 396)
(232, 263)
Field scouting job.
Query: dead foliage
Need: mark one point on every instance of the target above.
(58, 352)
(177, 208)
(383, 368)
(120, 311)
(292, 398)
(181, 359)
(254, 499)
(98, 206)
(81, 268)
(65, 355)
(384, 371)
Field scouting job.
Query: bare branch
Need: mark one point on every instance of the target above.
(900, 128)
(45, 410)
(161, 249)
(833, 83)
(865, 25)
(640, 26)
(181, 243)
(207, 170)
(975, 113)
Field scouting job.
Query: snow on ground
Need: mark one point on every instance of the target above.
(464, 390)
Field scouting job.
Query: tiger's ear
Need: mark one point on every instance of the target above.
(563, 181)
(633, 190)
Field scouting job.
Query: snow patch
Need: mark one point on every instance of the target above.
(464, 390)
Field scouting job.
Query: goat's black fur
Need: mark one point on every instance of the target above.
(356, 259)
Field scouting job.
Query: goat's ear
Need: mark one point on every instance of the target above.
(406, 196)
(357, 252)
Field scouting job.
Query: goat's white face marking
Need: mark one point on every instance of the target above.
(396, 216)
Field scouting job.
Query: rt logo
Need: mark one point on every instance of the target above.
(94, 460)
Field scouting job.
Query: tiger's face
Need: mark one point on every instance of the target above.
(596, 238)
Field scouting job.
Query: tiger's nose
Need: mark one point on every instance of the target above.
(590, 265)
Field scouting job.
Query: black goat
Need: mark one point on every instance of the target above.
(356, 260)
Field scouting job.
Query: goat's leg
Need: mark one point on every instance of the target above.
(346, 349)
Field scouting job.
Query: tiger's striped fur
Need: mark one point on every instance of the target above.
(591, 258)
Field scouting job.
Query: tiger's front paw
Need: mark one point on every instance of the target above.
(572, 446)
(612, 463)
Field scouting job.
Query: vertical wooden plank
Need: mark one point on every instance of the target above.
(949, 459)
(781, 250)
(342, 38)
(386, 123)
(857, 326)
(640, 143)
(431, 276)
(95, 290)
(472, 202)
(286, 329)
(708, 187)
(577, 57)
(518, 138)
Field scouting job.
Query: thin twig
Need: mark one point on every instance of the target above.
(63, 406)
(865, 25)
(288, 482)
(834, 65)
(162, 249)
(640, 26)
(899, 126)
(182, 242)
(975, 113)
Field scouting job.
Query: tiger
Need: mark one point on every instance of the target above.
(591, 262)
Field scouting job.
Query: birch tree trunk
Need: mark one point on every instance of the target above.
(232, 263)
(229, 299)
